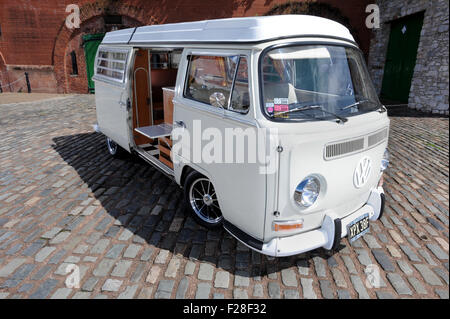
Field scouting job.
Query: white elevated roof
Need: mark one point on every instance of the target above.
(243, 30)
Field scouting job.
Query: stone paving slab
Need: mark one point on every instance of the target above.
(13, 98)
(68, 209)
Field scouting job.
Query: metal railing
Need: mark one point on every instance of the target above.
(10, 85)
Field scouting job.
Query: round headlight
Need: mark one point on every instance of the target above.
(307, 191)
(385, 160)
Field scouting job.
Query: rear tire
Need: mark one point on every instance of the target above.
(201, 200)
(114, 149)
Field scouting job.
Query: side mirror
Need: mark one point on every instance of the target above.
(217, 99)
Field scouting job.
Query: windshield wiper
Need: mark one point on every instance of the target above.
(358, 103)
(313, 107)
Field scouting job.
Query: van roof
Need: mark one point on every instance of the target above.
(231, 30)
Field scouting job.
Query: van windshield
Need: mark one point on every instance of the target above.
(313, 82)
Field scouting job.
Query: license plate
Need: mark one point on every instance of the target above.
(358, 227)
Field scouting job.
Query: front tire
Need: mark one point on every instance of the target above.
(201, 200)
(114, 149)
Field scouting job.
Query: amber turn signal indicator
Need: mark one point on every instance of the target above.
(289, 225)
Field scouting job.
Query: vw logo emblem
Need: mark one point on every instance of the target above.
(362, 172)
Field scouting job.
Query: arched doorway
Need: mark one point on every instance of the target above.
(74, 48)
(79, 55)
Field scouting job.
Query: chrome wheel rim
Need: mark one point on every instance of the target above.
(112, 146)
(203, 199)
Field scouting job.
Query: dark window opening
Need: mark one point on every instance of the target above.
(0, 30)
(113, 19)
(74, 63)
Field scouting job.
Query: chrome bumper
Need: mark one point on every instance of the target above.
(326, 236)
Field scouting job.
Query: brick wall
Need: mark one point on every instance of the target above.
(42, 78)
(34, 32)
(3, 75)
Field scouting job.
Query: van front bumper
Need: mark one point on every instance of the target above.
(327, 236)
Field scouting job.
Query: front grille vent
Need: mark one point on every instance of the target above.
(348, 147)
(339, 149)
(377, 137)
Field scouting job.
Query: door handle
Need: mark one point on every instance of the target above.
(180, 124)
(125, 104)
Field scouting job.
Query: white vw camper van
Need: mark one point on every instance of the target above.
(271, 125)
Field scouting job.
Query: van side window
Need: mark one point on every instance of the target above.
(111, 64)
(210, 79)
(240, 99)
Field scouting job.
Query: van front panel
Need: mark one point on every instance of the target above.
(305, 154)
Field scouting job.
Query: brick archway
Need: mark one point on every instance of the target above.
(88, 12)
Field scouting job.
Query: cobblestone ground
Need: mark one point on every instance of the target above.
(64, 200)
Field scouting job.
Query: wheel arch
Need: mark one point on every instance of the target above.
(187, 169)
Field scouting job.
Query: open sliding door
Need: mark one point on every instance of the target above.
(112, 88)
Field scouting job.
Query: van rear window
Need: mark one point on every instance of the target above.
(111, 64)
